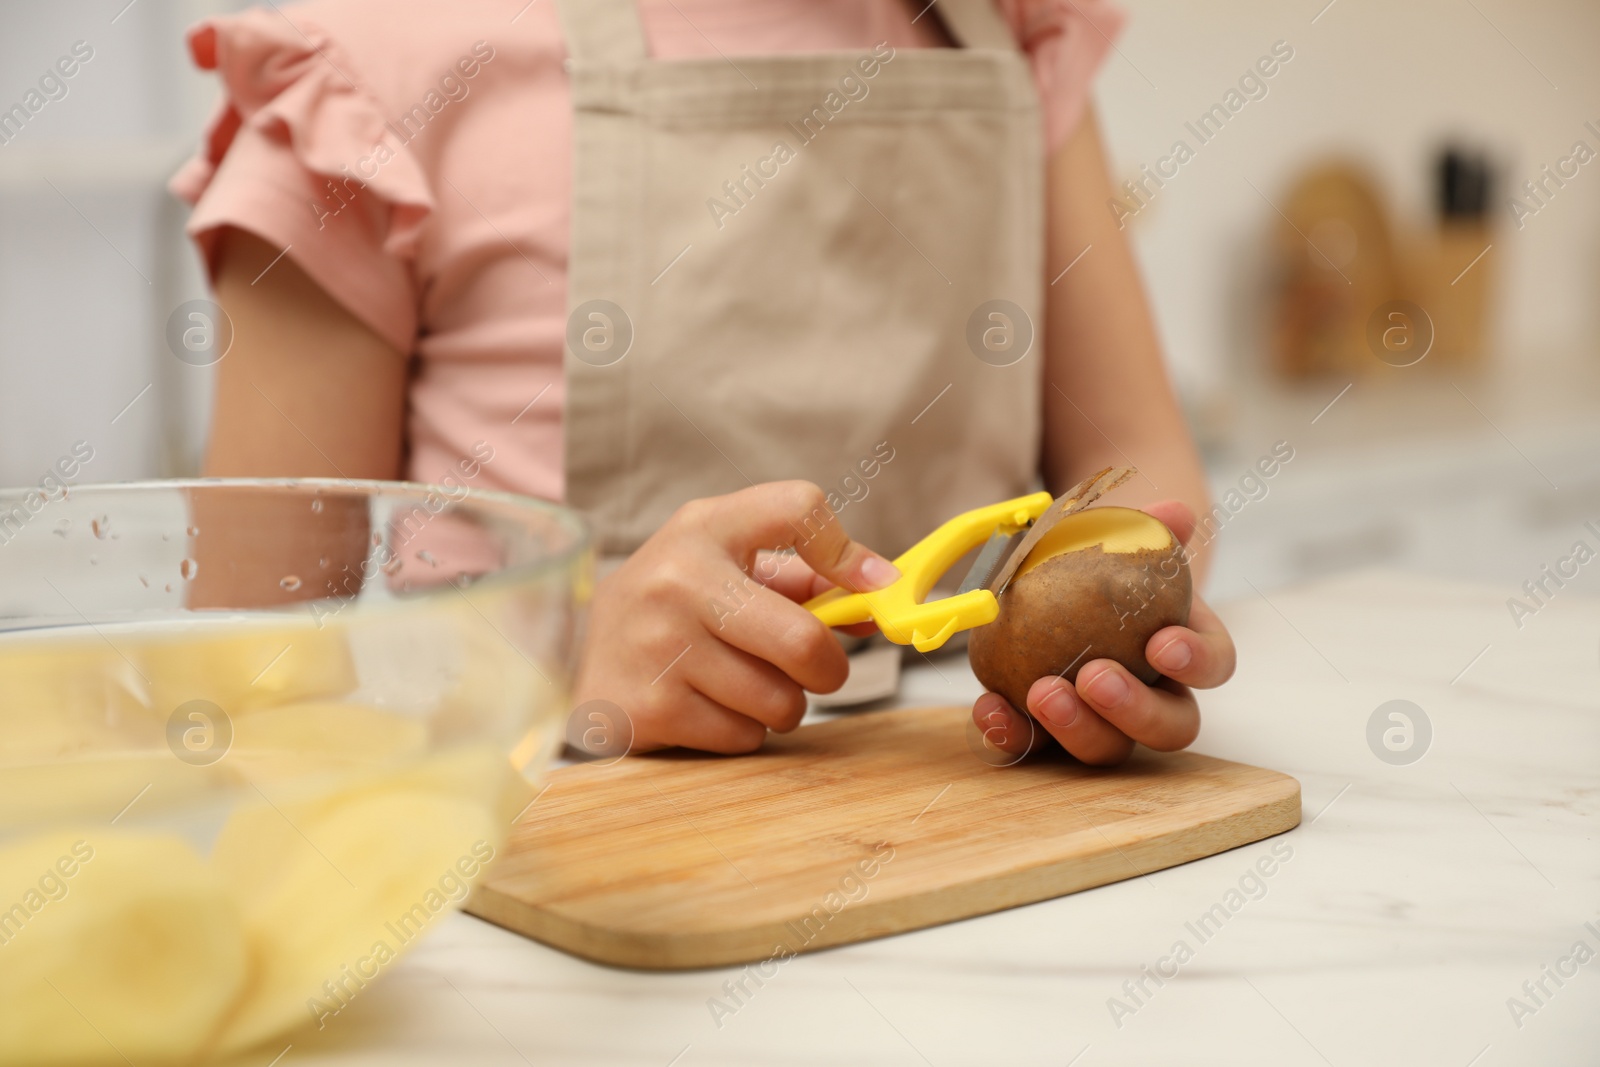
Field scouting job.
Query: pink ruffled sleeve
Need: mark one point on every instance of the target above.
(1066, 42)
(299, 154)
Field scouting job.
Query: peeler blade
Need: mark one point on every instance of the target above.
(989, 560)
(1073, 500)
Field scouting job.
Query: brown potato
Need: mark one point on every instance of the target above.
(1098, 585)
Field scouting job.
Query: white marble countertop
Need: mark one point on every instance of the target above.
(1416, 903)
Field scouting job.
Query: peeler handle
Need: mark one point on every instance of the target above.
(899, 609)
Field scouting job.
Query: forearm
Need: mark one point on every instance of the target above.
(1107, 398)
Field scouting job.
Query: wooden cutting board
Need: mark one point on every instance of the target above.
(847, 830)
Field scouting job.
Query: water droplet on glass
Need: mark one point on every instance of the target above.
(427, 557)
(323, 562)
(188, 568)
(290, 582)
(168, 587)
(144, 581)
(101, 526)
(165, 536)
(377, 539)
(94, 561)
(405, 586)
(316, 505)
(193, 531)
(62, 527)
(392, 566)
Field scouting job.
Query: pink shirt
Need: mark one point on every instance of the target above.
(415, 159)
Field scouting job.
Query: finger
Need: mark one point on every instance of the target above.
(1006, 729)
(1165, 719)
(788, 574)
(744, 684)
(794, 578)
(1076, 725)
(796, 515)
(775, 629)
(693, 720)
(1176, 515)
(1201, 654)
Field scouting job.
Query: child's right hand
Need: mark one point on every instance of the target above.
(701, 647)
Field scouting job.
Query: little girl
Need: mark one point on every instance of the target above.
(730, 277)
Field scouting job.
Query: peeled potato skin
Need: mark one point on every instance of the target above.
(1077, 607)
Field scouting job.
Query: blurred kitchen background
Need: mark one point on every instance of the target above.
(1313, 209)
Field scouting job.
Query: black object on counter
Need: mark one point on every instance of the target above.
(1465, 178)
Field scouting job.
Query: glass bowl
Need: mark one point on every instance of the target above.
(256, 737)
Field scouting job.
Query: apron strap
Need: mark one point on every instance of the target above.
(609, 31)
(976, 24)
(602, 31)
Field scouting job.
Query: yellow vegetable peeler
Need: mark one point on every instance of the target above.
(1008, 531)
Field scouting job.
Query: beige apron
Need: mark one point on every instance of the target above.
(819, 266)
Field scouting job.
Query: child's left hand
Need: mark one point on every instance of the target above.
(1100, 718)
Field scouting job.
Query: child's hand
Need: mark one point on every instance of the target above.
(1100, 718)
(700, 638)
